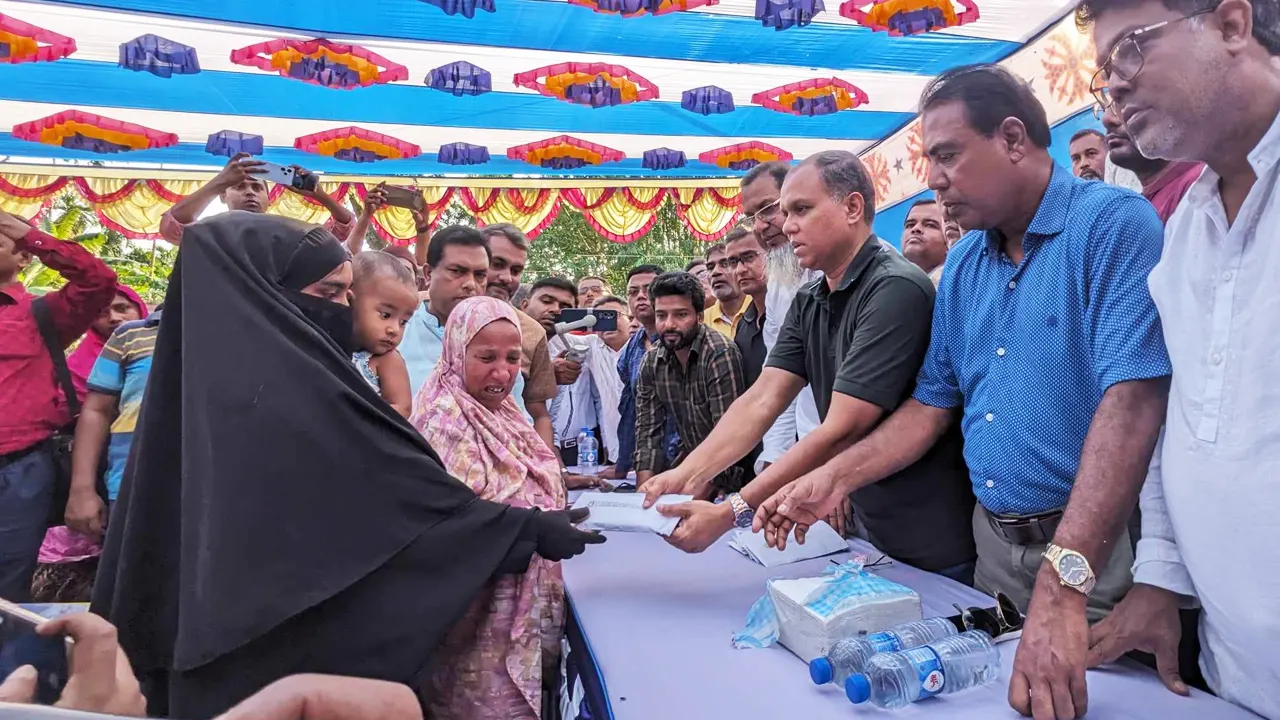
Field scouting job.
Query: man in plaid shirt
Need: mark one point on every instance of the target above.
(693, 377)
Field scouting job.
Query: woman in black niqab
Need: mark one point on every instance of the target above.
(277, 516)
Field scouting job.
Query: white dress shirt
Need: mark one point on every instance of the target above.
(801, 417)
(1211, 502)
(574, 406)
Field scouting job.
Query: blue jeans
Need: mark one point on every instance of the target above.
(26, 494)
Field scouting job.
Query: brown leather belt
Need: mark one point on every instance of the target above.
(1035, 529)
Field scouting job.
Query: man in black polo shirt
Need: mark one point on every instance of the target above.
(858, 336)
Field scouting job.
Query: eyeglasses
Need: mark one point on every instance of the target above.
(1125, 59)
(732, 261)
(765, 213)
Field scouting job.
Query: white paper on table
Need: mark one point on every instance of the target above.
(822, 539)
(625, 512)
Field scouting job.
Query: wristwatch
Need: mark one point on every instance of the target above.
(1072, 568)
(742, 512)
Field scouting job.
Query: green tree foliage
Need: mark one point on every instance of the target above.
(145, 267)
(571, 249)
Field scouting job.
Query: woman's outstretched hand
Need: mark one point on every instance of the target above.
(558, 539)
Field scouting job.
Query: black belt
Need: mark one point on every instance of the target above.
(8, 459)
(1035, 529)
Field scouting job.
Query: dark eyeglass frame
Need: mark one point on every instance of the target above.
(1101, 92)
(733, 261)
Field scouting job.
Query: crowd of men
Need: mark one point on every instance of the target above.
(988, 405)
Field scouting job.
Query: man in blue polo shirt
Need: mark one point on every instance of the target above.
(1047, 348)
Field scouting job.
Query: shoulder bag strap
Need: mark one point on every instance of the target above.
(48, 333)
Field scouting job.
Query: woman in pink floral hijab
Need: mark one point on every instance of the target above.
(492, 662)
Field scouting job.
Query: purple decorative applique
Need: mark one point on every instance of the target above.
(158, 56)
(460, 78)
(461, 153)
(707, 100)
(782, 14)
(663, 159)
(229, 142)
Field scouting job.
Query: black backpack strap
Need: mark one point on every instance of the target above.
(49, 333)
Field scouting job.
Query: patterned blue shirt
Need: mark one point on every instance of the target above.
(629, 369)
(1027, 351)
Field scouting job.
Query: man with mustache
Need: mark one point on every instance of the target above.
(857, 337)
(730, 303)
(1088, 155)
(692, 377)
(1047, 352)
(1163, 182)
(540, 376)
(924, 239)
(1199, 81)
(240, 187)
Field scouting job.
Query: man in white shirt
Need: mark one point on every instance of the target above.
(1203, 84)
(761, 191)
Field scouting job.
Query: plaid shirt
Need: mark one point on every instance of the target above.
(629, 371)
(696, 397)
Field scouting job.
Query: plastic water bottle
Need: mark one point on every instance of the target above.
(895, 680)
(850, 656)
(588, 452)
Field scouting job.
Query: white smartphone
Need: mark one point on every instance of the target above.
(287, 175)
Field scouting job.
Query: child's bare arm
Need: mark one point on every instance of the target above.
(393, 377)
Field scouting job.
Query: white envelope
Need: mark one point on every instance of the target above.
(625, 512)
(822, 539)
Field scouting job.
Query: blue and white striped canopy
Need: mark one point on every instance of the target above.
(722, 45)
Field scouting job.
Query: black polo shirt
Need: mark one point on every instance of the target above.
(748, 335)
(866, 339)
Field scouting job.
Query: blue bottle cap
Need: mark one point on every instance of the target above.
(820, 671)
(857, 688)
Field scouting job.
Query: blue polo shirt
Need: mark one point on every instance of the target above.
(1028, 350)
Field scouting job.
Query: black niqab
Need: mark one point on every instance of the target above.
(276, 515)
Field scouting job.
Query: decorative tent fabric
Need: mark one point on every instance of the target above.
(744, 156)
(638, 8)
(228, 143)
(159, 56)
(321, 62)
(460, 78)
(819, 96)
(910, 17)
(563, 151)
(621, 214)
(86, 131)
(23, 42)
(708, 100)
(593, 84)
(889, 56)
(357, 145)
(465, 8)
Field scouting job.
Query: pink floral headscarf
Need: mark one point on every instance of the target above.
(495, 452)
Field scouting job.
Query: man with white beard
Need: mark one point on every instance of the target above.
(761, 191)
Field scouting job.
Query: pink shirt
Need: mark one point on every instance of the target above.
(1166, 190)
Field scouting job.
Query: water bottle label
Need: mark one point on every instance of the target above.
(883, 642)
(928, 668)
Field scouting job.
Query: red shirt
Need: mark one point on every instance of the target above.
(32, 402)
(1165, 190)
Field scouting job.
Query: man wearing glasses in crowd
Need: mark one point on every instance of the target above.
(1199, 80)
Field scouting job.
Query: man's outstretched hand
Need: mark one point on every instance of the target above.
(799, 505)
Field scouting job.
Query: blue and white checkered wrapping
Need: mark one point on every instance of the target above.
(841, 585)
(849, 582)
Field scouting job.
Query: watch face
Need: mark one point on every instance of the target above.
(1073, 569)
